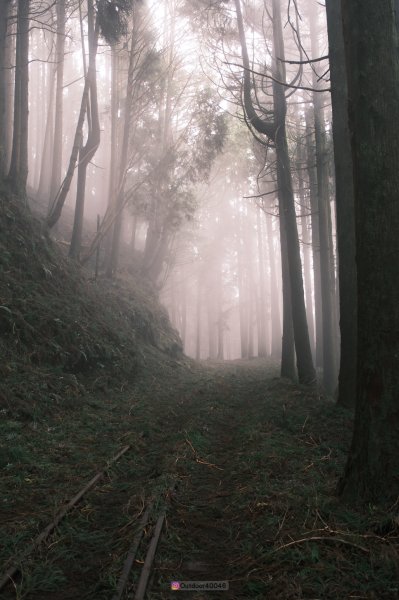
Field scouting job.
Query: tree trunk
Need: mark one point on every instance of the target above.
(306, 372)
(18, 172)
(47, 150)
(221, 321)
(250, 288)
(87, 151)
(277, 132)
(305, 209)
(242, 289)
(323, 203)
(112, 262)
(314, 209)
(275, 320)
(115, 105)
(58, 115)
(261, 320)
(212, 326)
(39, 84)
(344, 207)
(198, 322)
(5, 6)
(371, 47)
(59, 200)
(183, 300)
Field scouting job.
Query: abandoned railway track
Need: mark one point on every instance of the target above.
(145, 533)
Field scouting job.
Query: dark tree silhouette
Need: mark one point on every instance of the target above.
(344, 206)
(371, 46)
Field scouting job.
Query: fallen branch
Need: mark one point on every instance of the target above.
(323, 538)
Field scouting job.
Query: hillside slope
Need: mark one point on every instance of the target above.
(62, 334)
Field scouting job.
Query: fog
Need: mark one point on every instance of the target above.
(168, 172)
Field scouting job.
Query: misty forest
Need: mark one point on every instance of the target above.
(199, 299)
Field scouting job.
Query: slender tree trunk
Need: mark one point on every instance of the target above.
(306, 372)
(221, 323)
(250, 293)
(132, 242)
(277, 132)
(305, 209)
(59, 200)
(40, 86)
(198, 321)
(344, 207)
(87, 151)
(173, 302)
(242, 289)
(262, 324)
(183, 300)
(18, 172)
(275, 320)
(212, 329)
(156, 266)
(5, 6)
(47, 151)
(9, 106)
(371, 45)
(327, 294)
(288, 344)
(58, 115)
(115, 104)
(314, 209)
(112, 262)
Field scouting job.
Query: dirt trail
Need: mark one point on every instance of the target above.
(210, 506)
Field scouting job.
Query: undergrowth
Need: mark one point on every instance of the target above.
(90, 366)
(62, 334)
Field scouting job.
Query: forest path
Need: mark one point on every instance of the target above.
(255, 460)
(220, 485)
(246, 472)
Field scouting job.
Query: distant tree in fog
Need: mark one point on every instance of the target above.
(274, 128)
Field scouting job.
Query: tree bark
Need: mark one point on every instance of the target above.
(344, 207)
(275, 320)
(112, 261)
(59, 200)
(261, 320)
(5, 6)
(314, 209)
(323, 203)
(305, 209)
(47, 150)
(371, 47)
(58, 115)
(198, 320)
(306, 372)
(87, 151)
(18, 172)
